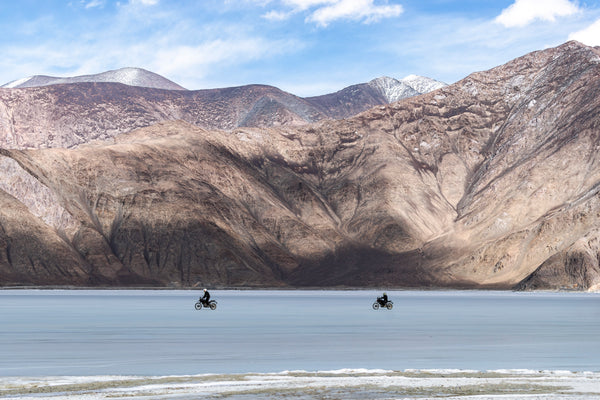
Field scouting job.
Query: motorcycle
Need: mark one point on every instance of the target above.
(211, 304)
(379, 303)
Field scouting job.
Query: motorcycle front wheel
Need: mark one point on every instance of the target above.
(376, 306)
(198, 306)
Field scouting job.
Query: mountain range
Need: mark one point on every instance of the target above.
(389, 88)
(491, 182)
(87, 108)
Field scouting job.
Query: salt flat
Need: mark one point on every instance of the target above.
(346, 384)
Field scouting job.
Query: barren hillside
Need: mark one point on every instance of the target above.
(489, 182)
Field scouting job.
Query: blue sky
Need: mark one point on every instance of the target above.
(306, 47)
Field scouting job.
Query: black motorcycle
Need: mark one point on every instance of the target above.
(380, 303)
(210, 304)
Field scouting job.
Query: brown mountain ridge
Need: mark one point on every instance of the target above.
(491, 182)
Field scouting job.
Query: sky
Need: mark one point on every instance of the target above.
(305, 47)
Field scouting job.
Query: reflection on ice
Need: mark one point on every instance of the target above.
(301, 385)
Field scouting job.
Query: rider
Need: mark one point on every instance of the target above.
(383, 299)
(206, 297)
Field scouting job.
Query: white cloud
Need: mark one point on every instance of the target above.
(589, 35)
(354, 10)
(523, 12)
(323, 12)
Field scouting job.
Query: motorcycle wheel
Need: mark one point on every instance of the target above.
(213, 306)
(389, 306)
(198, 306)
(376, 306)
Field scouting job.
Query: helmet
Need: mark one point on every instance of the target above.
(205, 289)
(383, 293)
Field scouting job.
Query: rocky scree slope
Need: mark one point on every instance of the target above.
(491, 182)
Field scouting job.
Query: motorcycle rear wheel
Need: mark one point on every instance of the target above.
(213, 306)
(389, 306)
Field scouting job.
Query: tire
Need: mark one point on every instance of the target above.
(389, 305)
(213, 306)
(376, 306)
(198, 306)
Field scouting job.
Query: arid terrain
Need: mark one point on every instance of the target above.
(491, 182)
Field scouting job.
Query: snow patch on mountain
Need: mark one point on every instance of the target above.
(17, 83)
(137, 77)
(126, 76)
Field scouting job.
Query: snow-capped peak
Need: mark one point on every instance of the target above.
(392, 89)
(423, 84)
(413, 85)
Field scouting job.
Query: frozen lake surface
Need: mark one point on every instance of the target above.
(109, 335)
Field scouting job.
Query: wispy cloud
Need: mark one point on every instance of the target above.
(94, 3)
(324, 12)
(145, 2)
(201, 59)
(356, 10)
(524, 12)
(277, 15)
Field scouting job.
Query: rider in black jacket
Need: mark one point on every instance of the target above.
(206, 297)
(383, 299)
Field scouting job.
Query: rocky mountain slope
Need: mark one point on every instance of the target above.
(127, 76)
(491, 182)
